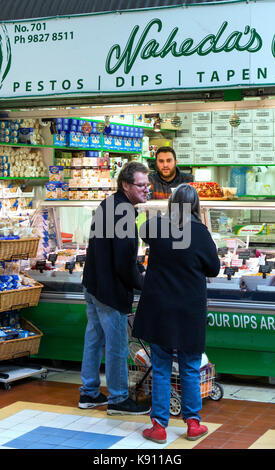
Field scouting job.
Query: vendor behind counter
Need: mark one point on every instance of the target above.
(168, 175)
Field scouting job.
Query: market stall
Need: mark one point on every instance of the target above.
(60, 159)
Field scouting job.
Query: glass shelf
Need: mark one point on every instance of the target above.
(10, 144)
(129, 152)
(24, 178)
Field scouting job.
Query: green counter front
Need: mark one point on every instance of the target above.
(240, 330)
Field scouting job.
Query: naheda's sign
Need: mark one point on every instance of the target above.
(174, 48)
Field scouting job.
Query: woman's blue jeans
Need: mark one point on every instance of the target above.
(107, 328)
(189, 371)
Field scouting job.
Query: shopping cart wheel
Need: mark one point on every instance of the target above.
(217, 392)
(175, 406)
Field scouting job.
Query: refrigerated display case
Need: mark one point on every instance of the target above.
(241, 300)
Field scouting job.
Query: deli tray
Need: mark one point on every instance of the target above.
(223, 198)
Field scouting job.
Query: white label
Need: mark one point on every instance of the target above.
(201, 130)
(244, 130)
(204, 157)
(242, 143)
(264, 145)
(262, 115)
(221, 129)
(222, 143)
(243, 157)
(264, 129)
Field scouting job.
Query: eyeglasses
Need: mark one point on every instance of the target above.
(142, 186)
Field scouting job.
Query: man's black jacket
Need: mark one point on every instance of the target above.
(111, 272)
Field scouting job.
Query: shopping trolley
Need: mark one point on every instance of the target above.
(140, 374)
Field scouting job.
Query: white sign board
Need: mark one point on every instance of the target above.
(173, 48)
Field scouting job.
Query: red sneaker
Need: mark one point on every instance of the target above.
(195, 430)
(157, 433)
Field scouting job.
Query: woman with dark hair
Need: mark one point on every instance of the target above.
(172, 311)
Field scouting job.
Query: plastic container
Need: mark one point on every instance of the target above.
(238, 179)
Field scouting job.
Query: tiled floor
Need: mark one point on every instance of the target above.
(43, 414)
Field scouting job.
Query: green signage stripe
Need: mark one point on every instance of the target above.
(143, 92)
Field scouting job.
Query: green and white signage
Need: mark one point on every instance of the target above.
(173, 48)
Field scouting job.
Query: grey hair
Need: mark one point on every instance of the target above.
(184, 193)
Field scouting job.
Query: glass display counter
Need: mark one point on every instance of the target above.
(241, 300)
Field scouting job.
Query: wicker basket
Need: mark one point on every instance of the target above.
(20, 347)
(15, 249)
(20, 298)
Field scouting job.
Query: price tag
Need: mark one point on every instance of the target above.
(40, 265)
(81, 259)
(244, 254)
(52, 258)
(264, 269)
(222, 251)
(70, 265)
(230, 271)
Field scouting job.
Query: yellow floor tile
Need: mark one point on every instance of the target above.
(180, 443)
(266, 441)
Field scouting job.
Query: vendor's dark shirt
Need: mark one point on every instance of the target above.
(161, 189)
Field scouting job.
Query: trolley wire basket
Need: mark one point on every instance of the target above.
(140, 374)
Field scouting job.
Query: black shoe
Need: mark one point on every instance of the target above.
(88, 402)
(127, 407)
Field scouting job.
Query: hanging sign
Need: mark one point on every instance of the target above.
(157, 50)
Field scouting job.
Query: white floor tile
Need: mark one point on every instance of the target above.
(108, 426)
(130, 426)
(135, 439)
(63, 420)
(13, 420)
(152, 445)
(9, 434)
(27, 414)
(80, 425)
(25, 427)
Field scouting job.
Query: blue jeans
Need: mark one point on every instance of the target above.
(107, 328)
(189, 371)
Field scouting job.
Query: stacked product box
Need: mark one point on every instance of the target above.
(4, 166)
(14, 131)
(56, 188)
(10, 131)
(117, 138)
(90, 176)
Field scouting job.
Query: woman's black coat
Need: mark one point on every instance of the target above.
(172, 310)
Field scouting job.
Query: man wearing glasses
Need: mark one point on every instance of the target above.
(110, 275)
(168, 175)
